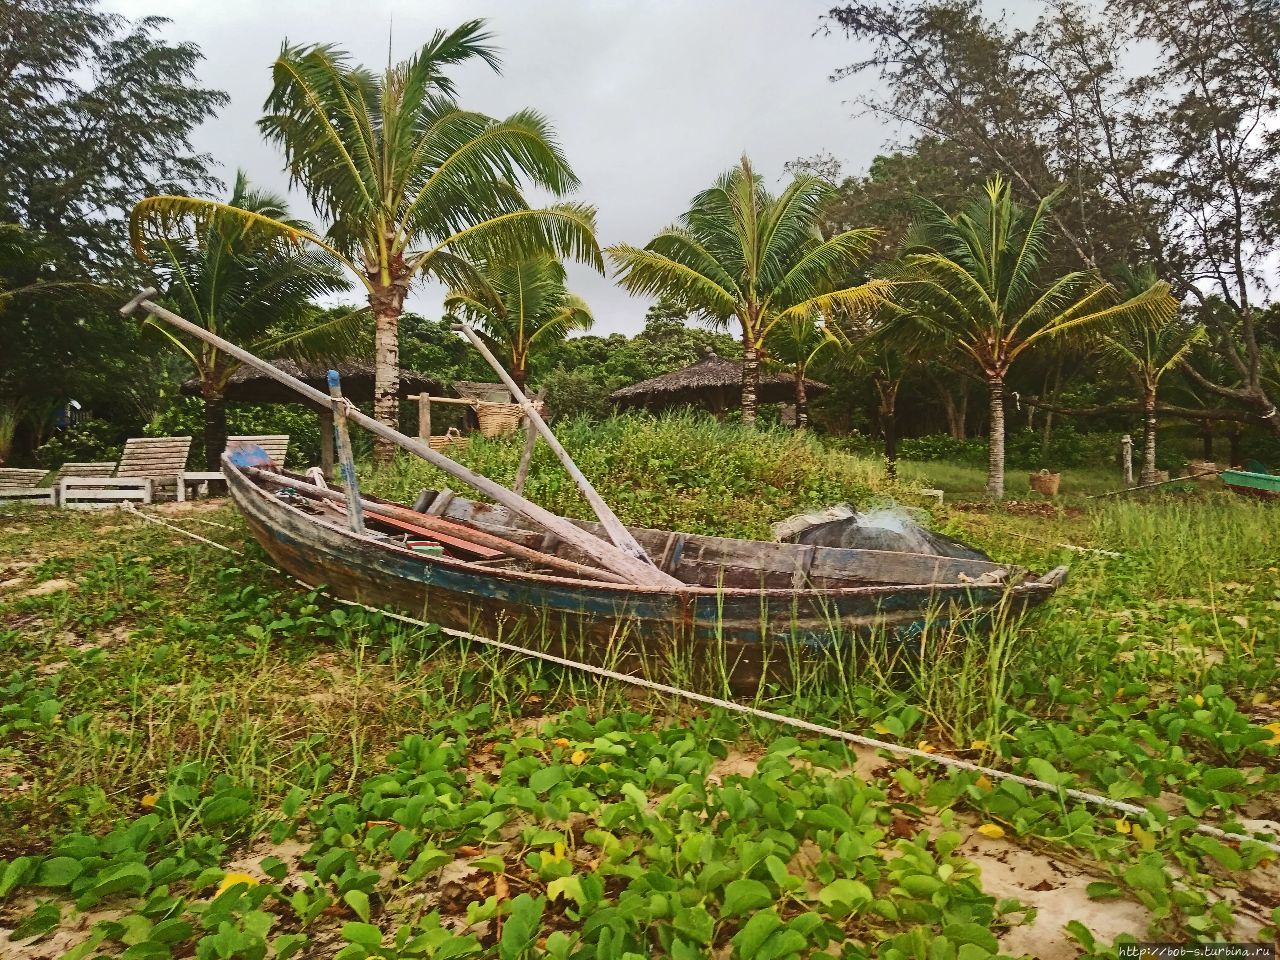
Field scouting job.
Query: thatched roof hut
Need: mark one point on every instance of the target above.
(250, 386)
(713, 384)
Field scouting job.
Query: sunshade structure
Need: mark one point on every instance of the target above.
(251, 386)
(713, 384)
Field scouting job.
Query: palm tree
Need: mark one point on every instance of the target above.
(1149, 351)
(741, 254)
(521, 308)
(793, 344)
(971, 281)
(253, 293)
(412, 185)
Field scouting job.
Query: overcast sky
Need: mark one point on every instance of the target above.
(651, 100)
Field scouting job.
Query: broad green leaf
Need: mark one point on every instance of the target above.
(743, 896)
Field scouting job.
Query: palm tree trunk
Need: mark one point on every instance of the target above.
(889, 428)
(1148, 474)
(750, 382)
(387, 304)
(1206, 441)
(802, 400)
(995, 443)
(215, 425)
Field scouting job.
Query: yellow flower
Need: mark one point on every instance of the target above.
(983, 782)
(560, 742)
(1275, 733)
(579, 758)
(1123, 826)
(1146, 840)
(992, 830)
(924, 746)
(148, 801)
(978, 745)
(233, 878)
(1199, 700)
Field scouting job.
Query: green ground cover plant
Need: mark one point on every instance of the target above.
(200, 758)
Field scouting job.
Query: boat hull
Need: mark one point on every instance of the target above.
(1265, 486)
(698, 634)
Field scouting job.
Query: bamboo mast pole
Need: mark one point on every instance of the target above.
(619, 534)
(613, 559)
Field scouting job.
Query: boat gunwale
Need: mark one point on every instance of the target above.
(237, 481)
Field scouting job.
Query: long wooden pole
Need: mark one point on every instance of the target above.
(627, 566)
(619, 534)
(346, 461)
(479, 537)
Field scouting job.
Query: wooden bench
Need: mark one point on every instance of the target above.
(92, 493)
(146, 464)
(97, 468)
(162, 460)
(21, 476)
(18, 485)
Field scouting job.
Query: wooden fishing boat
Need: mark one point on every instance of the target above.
(650, 601)
(1253, 483)
(743, 609)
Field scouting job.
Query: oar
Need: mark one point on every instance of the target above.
(631, 568)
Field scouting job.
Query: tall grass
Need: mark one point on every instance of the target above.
(683, 472)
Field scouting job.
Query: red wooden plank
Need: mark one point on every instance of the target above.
(475, 549)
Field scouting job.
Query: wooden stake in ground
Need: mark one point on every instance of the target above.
(627, 566)
(526, 455)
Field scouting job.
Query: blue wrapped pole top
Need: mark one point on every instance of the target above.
(333, 378)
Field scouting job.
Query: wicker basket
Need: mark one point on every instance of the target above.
(498, 419)
(1045, 482)
(451, 438)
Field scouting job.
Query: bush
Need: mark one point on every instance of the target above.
(185, 417)
(86, 440)
(679, 472)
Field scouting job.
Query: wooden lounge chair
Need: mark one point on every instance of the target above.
(276, 446)
(146, 464)
(18, 484)
(96, 468)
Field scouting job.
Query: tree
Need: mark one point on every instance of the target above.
(740, 254)
(521, 307)
(971, 281)
(252, 293)
(413, 185)
(97, 111)
(1148, 352)
(793, 344)
(1173, 165)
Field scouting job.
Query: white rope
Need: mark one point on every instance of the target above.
(1082, 796)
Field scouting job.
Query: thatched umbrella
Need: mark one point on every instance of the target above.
(248, 385)
(713, 384)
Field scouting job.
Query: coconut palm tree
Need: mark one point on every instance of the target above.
(412, 185)
(250, 292)
(970, 281)
(741, 255)
(521, 307)
(1147, 352)
(794, 344)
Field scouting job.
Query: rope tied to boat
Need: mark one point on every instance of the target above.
(955, 763)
